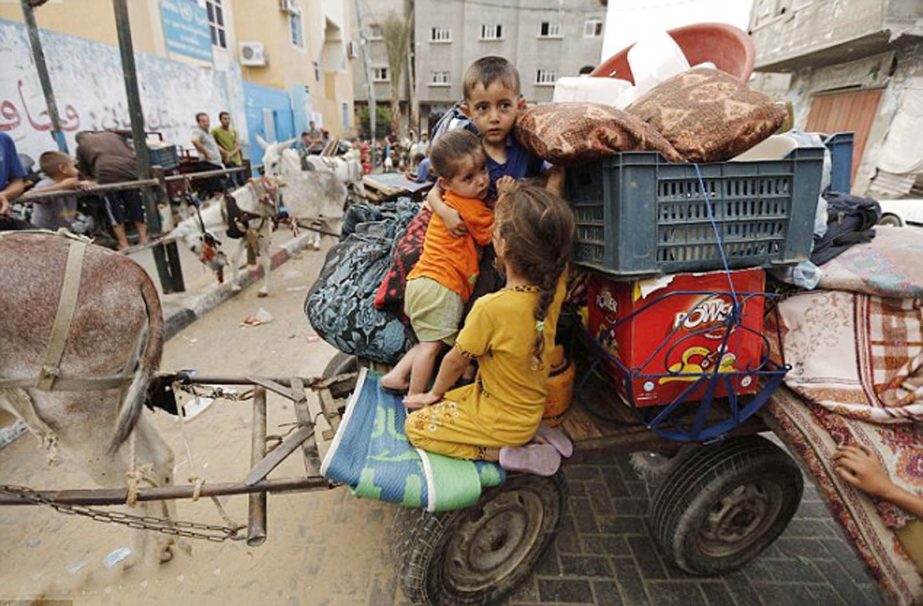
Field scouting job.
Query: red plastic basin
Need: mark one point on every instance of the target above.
(729, 48)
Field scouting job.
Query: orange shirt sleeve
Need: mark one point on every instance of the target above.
(478, 219)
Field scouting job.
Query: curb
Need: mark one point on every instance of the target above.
(179, 316)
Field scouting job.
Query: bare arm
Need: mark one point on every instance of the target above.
(201, 148)
(449, 215)
(858, 466)
(12, 191)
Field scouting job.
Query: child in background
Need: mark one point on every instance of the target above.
(443, 278)
(511, 334)
(60, 175)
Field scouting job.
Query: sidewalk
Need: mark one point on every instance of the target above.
(203, 293)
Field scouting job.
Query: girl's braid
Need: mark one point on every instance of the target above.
(546, 292)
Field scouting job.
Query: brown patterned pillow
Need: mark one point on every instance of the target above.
(573, 133)
(708, 115)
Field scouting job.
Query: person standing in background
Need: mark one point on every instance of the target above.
(12, 183)
(229, 146)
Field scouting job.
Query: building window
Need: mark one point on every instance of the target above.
(491, 32)
(440, 78)
(546, 77)
(550, 30)
(294, 23)
(440, 34)
(216, 23)
(380, 74)
(346, 115)
(374, 31)
(593, 28)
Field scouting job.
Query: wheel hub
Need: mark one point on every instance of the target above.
(493, 540)
(739, 518)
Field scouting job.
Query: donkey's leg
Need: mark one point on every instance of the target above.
(151, 449)
(265, 243)
(235, 264)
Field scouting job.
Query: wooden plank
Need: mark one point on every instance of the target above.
(303, 415)
(260, 470)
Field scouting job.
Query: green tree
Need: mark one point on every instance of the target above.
(382, 121)
(396, 33)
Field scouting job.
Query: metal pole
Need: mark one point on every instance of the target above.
(256, 523)
(367, 62)
(168, 282)
(39, 56)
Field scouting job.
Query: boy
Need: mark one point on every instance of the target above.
(444, 277)
(60, 175)
(492, 103)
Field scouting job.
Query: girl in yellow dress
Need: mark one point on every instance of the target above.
(511, 334)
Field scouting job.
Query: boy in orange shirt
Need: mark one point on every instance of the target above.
(444, 277)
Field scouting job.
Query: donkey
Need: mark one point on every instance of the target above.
(314, 196)
(81, 387)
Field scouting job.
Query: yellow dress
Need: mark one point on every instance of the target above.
(504, 406)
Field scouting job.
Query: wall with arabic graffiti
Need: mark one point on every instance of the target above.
(90, 92)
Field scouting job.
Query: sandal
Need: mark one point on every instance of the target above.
(556, 438)
(538, 459)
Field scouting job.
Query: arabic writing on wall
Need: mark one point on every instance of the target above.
(90, 93)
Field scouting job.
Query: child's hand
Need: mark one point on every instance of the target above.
(85, 185)
(454, 223)
(70, 183)
(505, 185)
(421, 400)
(858, 466)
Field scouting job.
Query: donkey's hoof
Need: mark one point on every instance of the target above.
(236, 288)
(262, 293)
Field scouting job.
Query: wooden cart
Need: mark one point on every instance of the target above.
(714, 508)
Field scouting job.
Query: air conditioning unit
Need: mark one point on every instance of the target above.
(252, 54)
(289, 6)
(352, 50)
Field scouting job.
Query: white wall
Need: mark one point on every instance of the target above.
(90, 91)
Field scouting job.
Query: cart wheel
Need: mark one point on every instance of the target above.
(653, 467)
(723, 504)
(479, 554)
(341, 363)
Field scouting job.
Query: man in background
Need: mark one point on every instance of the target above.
(229, 147)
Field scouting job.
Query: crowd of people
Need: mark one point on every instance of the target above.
(103, 158)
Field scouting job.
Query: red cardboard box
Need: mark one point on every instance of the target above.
(671, 337)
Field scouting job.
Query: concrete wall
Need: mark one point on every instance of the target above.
(319, 69)
(87, 79)
(800, 87)
(790, 34)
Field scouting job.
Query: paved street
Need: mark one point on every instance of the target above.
(330, 548)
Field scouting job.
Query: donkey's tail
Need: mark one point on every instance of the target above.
(148, 362)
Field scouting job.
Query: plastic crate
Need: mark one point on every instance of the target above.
(164, 157)
(840, 146)
(638, 214)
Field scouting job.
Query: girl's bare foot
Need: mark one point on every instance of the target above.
(395, 382)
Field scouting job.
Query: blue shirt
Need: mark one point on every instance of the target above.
(10, 166)
(423, 171)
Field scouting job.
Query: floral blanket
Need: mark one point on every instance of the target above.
(857, 355)
(890, 265)
(812, 433)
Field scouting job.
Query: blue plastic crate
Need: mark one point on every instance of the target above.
(638, 214)
(840, 146)
(164, 157)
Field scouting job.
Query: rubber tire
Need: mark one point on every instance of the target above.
(890, 219)
(701, 480)
(340, 363)
(419, 539)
